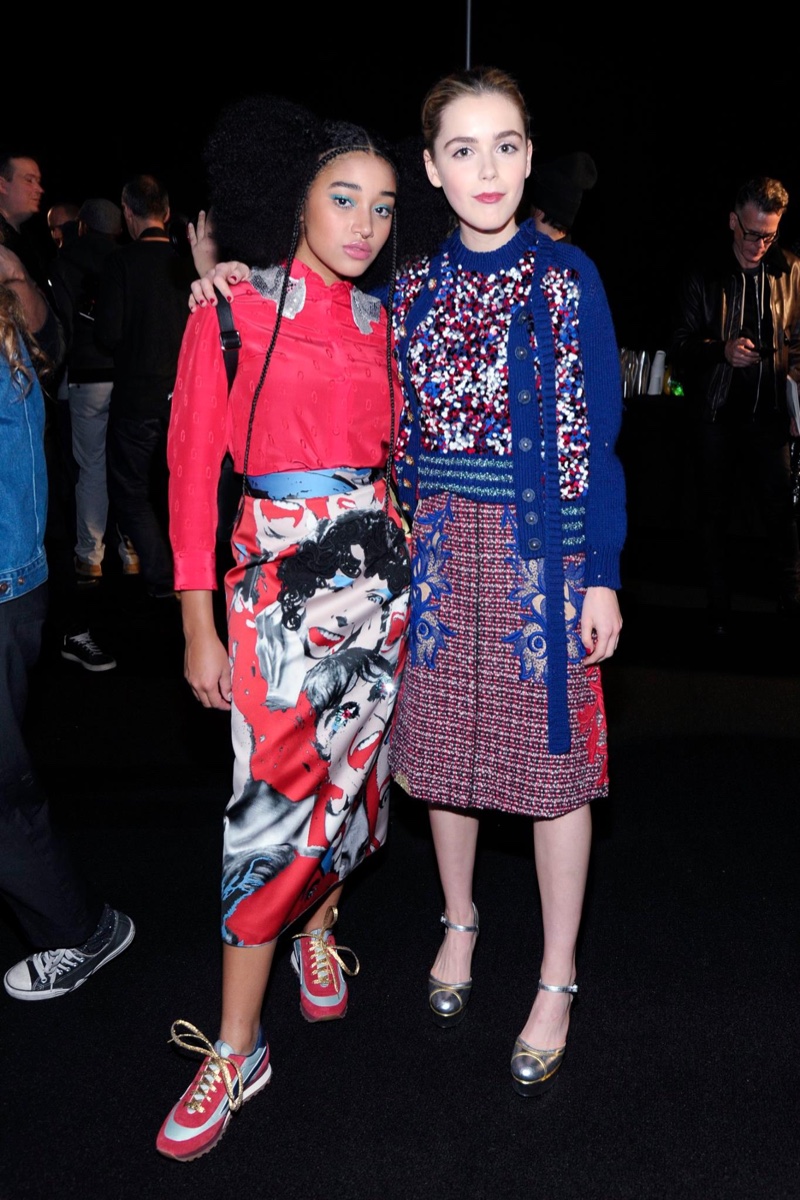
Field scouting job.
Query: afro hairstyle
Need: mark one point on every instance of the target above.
(261, 158)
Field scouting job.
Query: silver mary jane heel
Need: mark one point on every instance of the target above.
(533, 1071)
(448, 1001)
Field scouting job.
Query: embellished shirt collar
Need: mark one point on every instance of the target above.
(365, 310)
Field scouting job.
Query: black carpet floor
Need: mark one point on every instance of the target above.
(681, 1075)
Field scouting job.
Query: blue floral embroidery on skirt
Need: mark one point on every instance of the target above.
(428, 585)
(529, 642)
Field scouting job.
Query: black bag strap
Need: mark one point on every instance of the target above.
(229, 337)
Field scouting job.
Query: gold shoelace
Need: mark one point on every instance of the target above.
(322, 950)
(214, 1073)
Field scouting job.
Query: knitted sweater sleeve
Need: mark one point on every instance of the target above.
(605, 500)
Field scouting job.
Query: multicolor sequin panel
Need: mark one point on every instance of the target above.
(458, 360)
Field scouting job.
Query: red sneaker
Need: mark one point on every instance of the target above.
(317, 961)
(221, 1086)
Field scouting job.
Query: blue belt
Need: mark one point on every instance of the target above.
(310, 485)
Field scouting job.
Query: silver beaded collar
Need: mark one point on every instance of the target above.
(366, 309)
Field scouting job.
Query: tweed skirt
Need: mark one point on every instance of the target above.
(470, 729)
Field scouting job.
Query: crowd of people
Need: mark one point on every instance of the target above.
(402, 402)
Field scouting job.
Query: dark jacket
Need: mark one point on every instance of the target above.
(710, 313)
(75, 279)
(141, 312)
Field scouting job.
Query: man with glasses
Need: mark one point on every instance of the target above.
(737, 340)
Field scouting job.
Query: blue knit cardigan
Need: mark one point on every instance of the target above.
(540, 514)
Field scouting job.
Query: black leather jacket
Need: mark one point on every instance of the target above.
(710, 313)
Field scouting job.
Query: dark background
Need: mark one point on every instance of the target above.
(673, 122)
(681, 1078)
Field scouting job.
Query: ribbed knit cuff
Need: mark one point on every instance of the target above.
(602, 567)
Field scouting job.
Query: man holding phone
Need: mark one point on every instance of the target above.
(736, 341)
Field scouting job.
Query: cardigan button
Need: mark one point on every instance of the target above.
(525, 443)
(521, 352)
(528, 495)
(401, 331)
(534, 543)
(531, 518)
(432, 284)
(524, 396)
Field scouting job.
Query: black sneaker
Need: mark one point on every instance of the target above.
(52, 973)
(82, 648)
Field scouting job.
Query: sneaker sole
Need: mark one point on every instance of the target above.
(249, 1092)
(54, 993)
(109, 666)
(315, 1015)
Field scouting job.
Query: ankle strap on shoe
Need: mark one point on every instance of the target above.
(462, 928)
(572, 988)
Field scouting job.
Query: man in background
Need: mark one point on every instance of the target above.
(736, 341)
(21, 194)
(62, 221)
(140, 317)
(75, 277)
(557, 189)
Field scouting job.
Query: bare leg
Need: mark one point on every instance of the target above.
(455, 837)
(245, 972)
(318, 915)
(561, 848)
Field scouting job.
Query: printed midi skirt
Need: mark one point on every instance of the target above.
(317, 606)
(471, 726)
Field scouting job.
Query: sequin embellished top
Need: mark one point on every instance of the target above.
(496, 409)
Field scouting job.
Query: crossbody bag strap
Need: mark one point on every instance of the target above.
(230, 339)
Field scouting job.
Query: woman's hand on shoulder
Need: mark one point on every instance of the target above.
(222, 276)
(601, 623)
